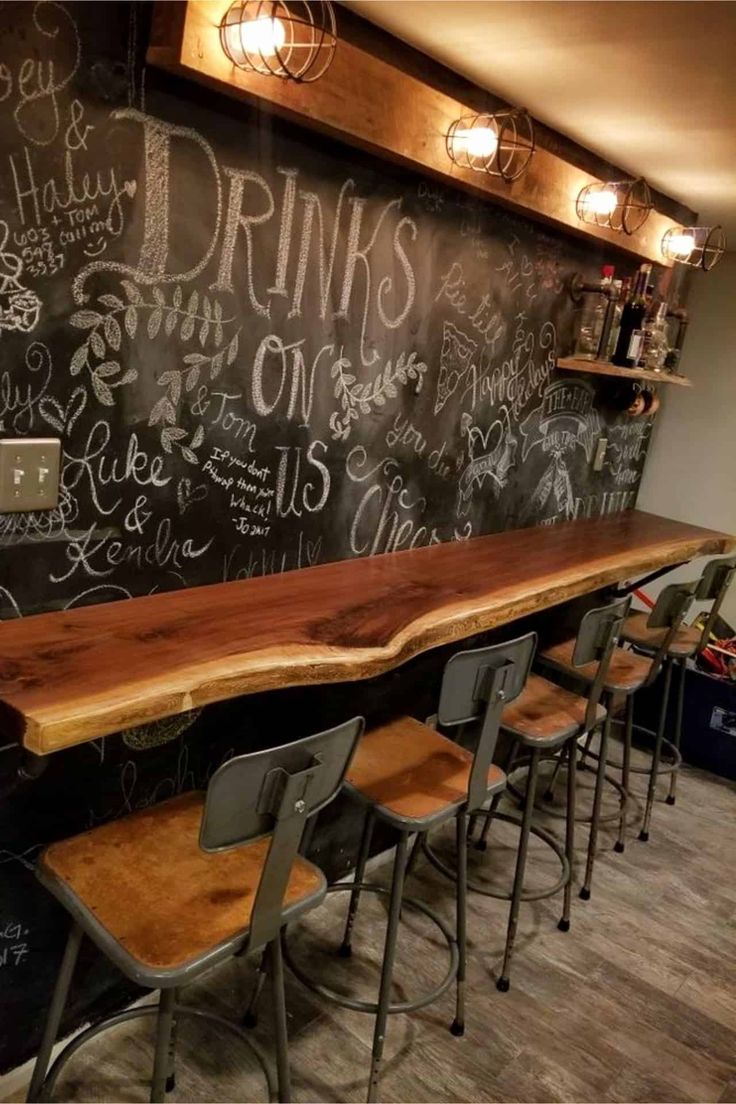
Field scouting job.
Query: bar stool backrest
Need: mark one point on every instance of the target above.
(671, 606)
(598, 636)
(479, 684)
(273, 792)
(713, 586)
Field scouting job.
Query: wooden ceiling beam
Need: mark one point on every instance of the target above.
(371, 103)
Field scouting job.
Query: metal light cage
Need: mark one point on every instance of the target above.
(291, 39)
(500, 144)
(704, 247)
(620, 205)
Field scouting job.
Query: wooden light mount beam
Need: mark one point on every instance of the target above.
(372, 104)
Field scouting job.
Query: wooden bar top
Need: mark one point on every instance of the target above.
(71, 676)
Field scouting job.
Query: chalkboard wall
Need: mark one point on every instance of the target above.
(261, 351)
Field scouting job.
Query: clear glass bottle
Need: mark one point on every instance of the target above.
(655, 343)
(592, 317)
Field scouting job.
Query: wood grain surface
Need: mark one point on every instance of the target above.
(604, 368)
(368, 102)
(71, 676)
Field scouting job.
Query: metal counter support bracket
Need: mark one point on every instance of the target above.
(629, 588)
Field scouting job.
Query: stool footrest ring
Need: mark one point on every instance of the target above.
(504, 895)
(559, 814)
(357, 1005)
(147, 1010)
(664, 767)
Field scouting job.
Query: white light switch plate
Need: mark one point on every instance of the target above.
(29, 474)
(600, 453)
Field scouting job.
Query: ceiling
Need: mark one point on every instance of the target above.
(651, 86)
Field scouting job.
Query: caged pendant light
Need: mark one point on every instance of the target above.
(621, 205)
(500, 144)
(697, 246)
(291, 39)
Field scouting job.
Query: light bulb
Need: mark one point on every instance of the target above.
(478, 141)
(600, 203)
(680, 246)
(264, 36)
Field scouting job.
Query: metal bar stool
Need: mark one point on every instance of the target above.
(543, 719)
(413, 778)
(627, 673)
(686, 644)
(171, 891)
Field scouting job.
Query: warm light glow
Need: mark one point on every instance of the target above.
(600, 203)
(680, 246)
(477, 141)
(263, 36)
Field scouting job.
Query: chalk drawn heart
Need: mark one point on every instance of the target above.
(63, 418)
(186, 495)
(130, 187)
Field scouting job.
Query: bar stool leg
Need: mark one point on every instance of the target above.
(275, 954)
(597, 800)
(671, 796)
(387, 969)
(365, 845)
(461, 900)
(482, 842)
(164, 1023)
(564, 924)
(56, 1008)
(250, 1017)
(171, 1068)
(625, 774)
(531, 788)
(644, 833)
(549, 793)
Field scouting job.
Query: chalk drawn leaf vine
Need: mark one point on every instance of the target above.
(358, 398)
(197, 318)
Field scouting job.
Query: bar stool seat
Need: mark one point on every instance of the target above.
(627, 671)
(545, 713)
(637, 631)
(190, 907)
(408, 771)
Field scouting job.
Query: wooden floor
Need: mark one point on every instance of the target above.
(636, 1003)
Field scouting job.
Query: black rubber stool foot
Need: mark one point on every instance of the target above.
(457, 1028)
(345, 950)
(643, 836)
(170, 1083)
(670, 799)
(548, 796)
(564, 925)
(585, 893)
(480, 845)
(618, 847)
(250, 1019)
(503, 985)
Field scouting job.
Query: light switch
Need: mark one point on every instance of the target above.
(29, 474)
(600, 453)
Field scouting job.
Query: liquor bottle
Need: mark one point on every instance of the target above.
(592, 317)
(628, 346)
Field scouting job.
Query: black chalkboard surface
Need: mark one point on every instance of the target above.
(261, 351)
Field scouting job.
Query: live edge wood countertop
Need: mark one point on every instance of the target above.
(75, 675)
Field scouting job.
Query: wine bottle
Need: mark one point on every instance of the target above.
(628, 346)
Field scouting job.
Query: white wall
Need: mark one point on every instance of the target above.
(690, 472)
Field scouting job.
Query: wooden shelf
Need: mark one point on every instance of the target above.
(81, 673)
(604, 368)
